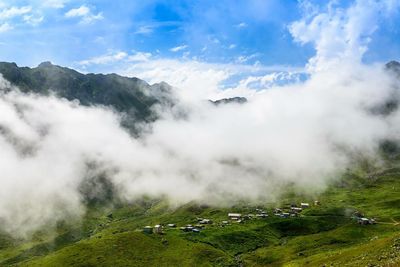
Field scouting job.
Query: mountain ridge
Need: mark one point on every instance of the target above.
(130, 95)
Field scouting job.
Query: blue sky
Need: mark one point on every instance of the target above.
(217, 31)
(93, 35)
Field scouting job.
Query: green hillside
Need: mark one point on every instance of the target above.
(321, 235)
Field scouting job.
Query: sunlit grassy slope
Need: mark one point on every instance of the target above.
(322, 235)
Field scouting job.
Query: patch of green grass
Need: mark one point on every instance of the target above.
(133, 249)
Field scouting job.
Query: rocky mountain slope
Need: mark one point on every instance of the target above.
(130, 95)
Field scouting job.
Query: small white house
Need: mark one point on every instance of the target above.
(295, 209)
(234, 216)
(148, 229)
(365, 221)
(188, 228)
(305, 205)
(157, 229)
(277, 211)
(205, 221)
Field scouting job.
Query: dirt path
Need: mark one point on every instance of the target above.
(391, 223)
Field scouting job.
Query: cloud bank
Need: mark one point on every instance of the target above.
(339, 34)
(303, 134)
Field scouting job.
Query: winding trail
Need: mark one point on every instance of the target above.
(390, 223)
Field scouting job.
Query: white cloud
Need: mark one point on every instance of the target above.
(150, 28)
(117, 57)
(196, 79)
(85, 14)
(232, 46)
(12, 12)
(139, 56)
(21, 15)
(5, 27)
(243, 59)
(215, 40)
(32, 20)
(270, 80)
(338, 33)
(54, 3)
(147, 29)
(104, 59)
(78, 12)
(178, 48)
(241, 25)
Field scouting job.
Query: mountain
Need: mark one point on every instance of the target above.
(393, 66)
(130, 95)
(238, 100)
(392, 104)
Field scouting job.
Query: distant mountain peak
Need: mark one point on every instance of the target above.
(237, 100)
(393, 66)
(45, 64)
(393, 63)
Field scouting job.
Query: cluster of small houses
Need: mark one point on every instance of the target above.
(293, 211)
(233, 217)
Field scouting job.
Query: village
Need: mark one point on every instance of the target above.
(291, 211)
